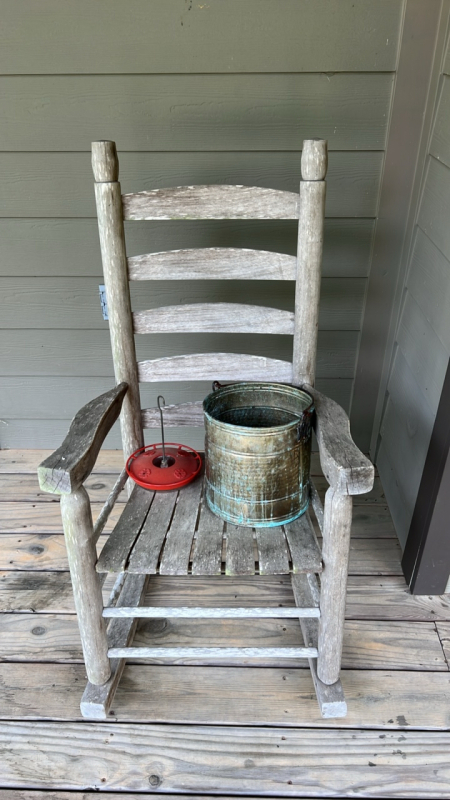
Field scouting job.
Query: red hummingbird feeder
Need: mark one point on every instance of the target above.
(162, 466)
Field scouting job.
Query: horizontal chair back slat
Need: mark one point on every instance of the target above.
(175, 416)
(215, 366)
(213, 263)
(211, 202)
(214, 318)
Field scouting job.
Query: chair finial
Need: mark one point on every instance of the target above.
(314, 159)
(105, 164)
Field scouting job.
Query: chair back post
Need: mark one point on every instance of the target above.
(105, 166)
(309, 260)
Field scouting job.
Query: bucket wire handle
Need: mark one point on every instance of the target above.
(164, 461)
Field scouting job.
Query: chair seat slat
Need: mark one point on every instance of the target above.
(214, 318)
(211, 202)
(207, 555)
(178, 544)
(240, 556)
(114, 555)
(212, 263)
(145, 554)
(272, 551)
(215, 366)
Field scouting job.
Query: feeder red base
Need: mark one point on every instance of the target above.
(183, 465)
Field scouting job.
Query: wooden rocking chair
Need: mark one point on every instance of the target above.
(170, 533)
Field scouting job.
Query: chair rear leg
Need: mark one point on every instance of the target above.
(86, 584)
(335, 551)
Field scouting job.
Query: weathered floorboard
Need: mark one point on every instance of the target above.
(182, 758)
(367, 644)
(368, 597)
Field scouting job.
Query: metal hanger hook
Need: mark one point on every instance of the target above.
(164, 462)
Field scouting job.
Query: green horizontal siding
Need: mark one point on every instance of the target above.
(195, 112)
(175, 36)
(70, 247)
(61, 184)
(193, 93)
(50, 425)
(20, 394)
(84, 353)
(74, 302)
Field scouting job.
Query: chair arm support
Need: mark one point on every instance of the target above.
(346, 469)
(65, 470)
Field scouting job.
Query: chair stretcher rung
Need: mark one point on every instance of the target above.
(212, 613)
(212, 652)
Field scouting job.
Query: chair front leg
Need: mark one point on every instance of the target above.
(82, 556)
(335, 552)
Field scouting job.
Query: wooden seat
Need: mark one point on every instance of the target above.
(175, 533)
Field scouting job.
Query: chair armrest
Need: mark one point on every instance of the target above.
(346, 469)
(65, 470)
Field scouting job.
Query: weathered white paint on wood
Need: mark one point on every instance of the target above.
(305, 554)
(343, 464)
(213, 263)
(211, 202)
(215, 366)
(81, 553)
(178, 544)
(335, 551)
(145, 555)
(105, 166)
(212, 652)
(69, 466)
(317, 505)
(190, 612)
(240, 555)
(330, 698)
(96, 700)
(214, 317)
(309, 259)
(207, 555)
(273, 552)
(174, 415)
(114, 556)
(103, 517)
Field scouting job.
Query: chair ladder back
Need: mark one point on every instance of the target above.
(105, 166)
(309, 260)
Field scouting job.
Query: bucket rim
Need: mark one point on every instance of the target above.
(239, 385)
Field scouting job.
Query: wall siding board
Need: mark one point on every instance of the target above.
(401, 512)
(406, 445)
(429, 284)
(161, 37)
(440, 142)
(36, 184)
(70, 247)
(433, 212)
(74, 302)
(423, 351)
(19, 395)
(167, 112)
(30, 352)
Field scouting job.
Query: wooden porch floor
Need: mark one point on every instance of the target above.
(216, 730)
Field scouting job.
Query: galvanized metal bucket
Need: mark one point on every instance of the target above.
(257, 453)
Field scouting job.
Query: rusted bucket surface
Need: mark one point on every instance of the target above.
(257, 448)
